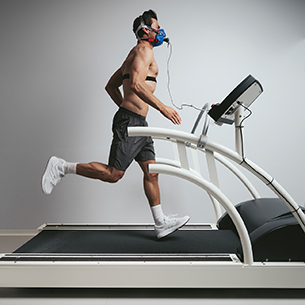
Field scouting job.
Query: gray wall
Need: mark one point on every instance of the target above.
(56, 57)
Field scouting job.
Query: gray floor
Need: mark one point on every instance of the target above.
(9, 242)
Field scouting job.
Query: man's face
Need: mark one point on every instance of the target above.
(155, 25)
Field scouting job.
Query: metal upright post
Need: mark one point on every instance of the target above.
(239, 115)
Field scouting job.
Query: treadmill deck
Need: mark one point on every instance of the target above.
(123, 243)
(130, 256)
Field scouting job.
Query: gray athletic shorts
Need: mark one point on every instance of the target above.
(125, 149)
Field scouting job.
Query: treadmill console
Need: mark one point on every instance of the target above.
(245, 93)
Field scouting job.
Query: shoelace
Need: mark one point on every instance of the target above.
(170, 219)
(56, 175)
(170, 216)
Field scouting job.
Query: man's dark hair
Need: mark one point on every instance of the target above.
(146, 17)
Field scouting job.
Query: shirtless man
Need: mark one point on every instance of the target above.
(138, 76)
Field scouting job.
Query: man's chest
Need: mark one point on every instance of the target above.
(153, 68)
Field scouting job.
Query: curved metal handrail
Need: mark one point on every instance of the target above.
(230, 154)
(216, 193)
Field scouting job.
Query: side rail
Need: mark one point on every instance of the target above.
(211, 157)
(183, 171)
(184, 137)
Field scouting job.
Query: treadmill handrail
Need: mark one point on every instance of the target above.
(216, 193)
(169, 134)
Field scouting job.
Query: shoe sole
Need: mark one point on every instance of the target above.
(43, 176)
(165, 235)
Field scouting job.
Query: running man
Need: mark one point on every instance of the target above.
(138, 76)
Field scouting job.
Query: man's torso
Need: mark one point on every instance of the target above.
(131, 101)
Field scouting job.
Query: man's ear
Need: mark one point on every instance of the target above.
(146, 31)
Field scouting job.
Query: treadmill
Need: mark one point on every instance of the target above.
(259, 243)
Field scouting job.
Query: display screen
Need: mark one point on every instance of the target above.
(246, 93)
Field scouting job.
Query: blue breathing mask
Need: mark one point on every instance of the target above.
(159, 38)
(160, 35)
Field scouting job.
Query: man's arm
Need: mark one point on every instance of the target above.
(138, 73)
(113, 85)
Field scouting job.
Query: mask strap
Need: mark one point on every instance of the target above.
(143, 25)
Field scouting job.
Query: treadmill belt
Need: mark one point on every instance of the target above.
(131, 242)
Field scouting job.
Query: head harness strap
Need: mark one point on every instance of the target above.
(143, 25)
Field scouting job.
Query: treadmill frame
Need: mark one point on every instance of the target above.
(99, 271)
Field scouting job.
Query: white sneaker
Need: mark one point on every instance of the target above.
(170, 225)
(52, 174)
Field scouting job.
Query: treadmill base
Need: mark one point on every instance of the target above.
(144, 270)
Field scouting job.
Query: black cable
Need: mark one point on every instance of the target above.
(244, 161)
(241, 127)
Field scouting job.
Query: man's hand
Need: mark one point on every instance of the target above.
(171, 114)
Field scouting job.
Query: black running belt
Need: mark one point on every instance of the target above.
(151, 78)
(131, 242)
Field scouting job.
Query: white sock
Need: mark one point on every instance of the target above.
(157, 214)
(69, 168)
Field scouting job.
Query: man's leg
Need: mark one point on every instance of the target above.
(164, 225)
(57, 168)
(151, 184)
(101, 171)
